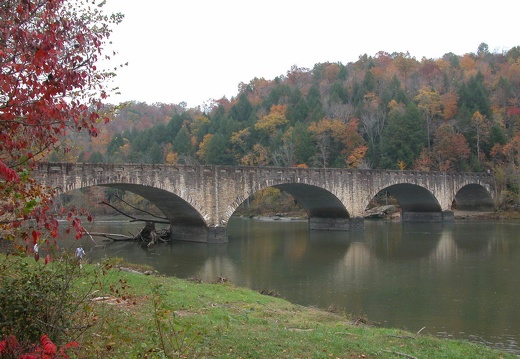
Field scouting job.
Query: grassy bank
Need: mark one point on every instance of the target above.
(139, 316)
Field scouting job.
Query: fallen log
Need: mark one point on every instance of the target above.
(148, 236)
(113, 236)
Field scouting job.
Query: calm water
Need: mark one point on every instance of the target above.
(458, 280)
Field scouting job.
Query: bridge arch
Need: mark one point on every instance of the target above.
(317, 202)
(416, 202)
(473, 197)
(176, 209)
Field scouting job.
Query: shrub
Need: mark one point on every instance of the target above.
(41, 298)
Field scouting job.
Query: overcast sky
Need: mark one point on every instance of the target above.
(197, 50)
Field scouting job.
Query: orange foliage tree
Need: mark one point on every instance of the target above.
(270, 122)
(450, 148)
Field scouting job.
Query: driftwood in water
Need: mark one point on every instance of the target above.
(148, 236)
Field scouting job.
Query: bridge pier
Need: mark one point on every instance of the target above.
(445, 216)
(336, 224)
(213, 234)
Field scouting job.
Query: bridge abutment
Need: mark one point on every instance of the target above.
(336, 224)
(445, 216)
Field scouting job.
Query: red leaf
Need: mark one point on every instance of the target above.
(7, 173)
(35, 236)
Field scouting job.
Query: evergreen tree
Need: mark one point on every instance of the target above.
(403, 138)
(314, 104)
(217, 153)
(242, 110)
(304, 148)
(475, 96)
(182, 143)
(114, 145)
(155, 154)
(96, 157)
(297, 109)
(369, 82)
(338, 93)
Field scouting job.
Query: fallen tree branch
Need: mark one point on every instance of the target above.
(408, 336)
(113, 236)
(420, 330)
(148, 236)
(88, 233)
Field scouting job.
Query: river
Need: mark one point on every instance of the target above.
(455, 280)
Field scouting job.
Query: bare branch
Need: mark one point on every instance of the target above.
(134, 219)
(141, 210)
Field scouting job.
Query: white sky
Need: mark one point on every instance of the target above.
(197, 50)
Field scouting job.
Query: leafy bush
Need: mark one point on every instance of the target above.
(39, 298)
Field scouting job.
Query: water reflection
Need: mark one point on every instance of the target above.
(458, 279)
(404, 242)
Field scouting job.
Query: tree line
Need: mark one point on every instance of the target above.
(387, 111)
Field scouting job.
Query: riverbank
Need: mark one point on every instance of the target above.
(394, 215)
(139, 315)
(499, 215)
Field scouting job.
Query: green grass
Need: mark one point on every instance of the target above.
(159, 317)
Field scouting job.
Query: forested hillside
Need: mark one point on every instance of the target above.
(392, 111)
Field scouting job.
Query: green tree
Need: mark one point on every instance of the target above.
(369, 82)
(474, 95)
(115, 143)
(155, 154)
(303, 143)
(297, 109)
(403, 138)
(242, 110)
(338, 93)
(314, 104)
(96, 157)
(182, 143)
(217, 153)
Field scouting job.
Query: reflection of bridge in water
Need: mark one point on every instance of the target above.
(199, 200)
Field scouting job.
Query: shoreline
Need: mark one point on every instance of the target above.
(458, 216)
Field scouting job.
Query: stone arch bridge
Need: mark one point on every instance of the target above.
(199, 200)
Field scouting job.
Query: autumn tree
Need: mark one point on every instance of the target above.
(240, 143)
(273, 120)
(406, 65)
(337, 142)
(258, 156)
(354, 146)
(49, 84)
(481, 129)
(373, 121)
(327, 135)
(429, 102)
(285, 154)
(451, 149)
